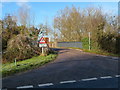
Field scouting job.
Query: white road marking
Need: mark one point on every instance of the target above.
(72, 81)
(105, 77)
(47, 84)
(88, 79)
(30, 86)
(117, 75)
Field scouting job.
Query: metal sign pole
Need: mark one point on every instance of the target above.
(89, 40)
(42, 50)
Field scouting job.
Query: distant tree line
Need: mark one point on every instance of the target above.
(73, 24)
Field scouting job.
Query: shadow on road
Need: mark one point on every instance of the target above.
(59, 49)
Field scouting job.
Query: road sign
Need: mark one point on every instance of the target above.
(43, 45)
(46, 39)
(42, 41)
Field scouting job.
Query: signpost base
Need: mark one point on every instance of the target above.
(45, 51)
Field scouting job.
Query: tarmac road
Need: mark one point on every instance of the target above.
(72, 68)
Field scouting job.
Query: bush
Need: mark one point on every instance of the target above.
(85, 43)
(107, 42)
(20, 47)
(118, 44)
(110, 43)
(5, 38)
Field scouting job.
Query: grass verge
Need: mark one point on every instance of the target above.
(11, 68)
(94, 51)
(101, 52)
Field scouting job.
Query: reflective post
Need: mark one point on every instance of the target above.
(15, 61)
(89, 40)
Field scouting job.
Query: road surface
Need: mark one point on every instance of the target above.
(71, 69)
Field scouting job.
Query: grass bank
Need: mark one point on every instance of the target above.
(101, 52)
(20, 66)
(95, 51)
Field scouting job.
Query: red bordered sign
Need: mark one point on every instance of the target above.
(42, 41)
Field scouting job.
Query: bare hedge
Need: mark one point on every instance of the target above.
(20, 47)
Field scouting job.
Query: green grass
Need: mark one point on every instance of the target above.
(101, 52)
(11, 68)
(96, 51)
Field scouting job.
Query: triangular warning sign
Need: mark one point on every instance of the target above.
(42, 41)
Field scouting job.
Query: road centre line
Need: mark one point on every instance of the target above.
(30, 86)
(88, 79)
(117, 75)
(105, 77)
(72, 81)
(47, 84)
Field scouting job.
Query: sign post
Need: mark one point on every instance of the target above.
(43, 41)
(89, 40)
(42, 50)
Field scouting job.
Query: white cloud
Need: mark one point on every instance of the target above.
(23, 3)
(20, 3)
